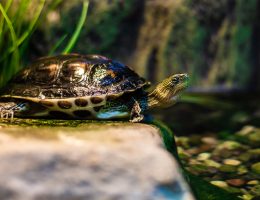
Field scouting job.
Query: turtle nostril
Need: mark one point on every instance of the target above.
(184, 77)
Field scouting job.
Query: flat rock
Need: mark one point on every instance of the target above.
(90, 161)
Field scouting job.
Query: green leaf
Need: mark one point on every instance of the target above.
(28, 32)
(19, 15)
(6, 8)
(58, 43)
(80, 24)
(13, 34)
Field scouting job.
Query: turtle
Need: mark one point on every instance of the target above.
(76, 86)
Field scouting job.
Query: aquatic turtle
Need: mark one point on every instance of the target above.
(84, 87)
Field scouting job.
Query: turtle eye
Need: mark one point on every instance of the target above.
(175, 80)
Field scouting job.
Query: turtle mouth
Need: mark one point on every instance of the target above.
(175, 97)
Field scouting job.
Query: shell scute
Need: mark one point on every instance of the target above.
(39, 73)
(73, 71)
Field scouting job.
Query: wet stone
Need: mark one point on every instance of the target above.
(203, 156)
(236, 182)
(245, 156)
(86, 160)
(255, 190)
(232, 162)
(242, 170)
(193, 151)
(246, 130)
(256, 168)
(233, 190)
(223, 153)
(206, 147)
(247, 196)
(228, 168)
(254, 138)
(255, 151)
(210, 140)
(221, 184)
(230, 145)
(253, 182)
(183, 141)
(200, 168)
(212, 163)
(195, 140)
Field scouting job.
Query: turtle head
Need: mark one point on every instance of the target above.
(167, 92)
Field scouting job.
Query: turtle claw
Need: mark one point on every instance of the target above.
(137, 119)
(136, 115)
(7, 114)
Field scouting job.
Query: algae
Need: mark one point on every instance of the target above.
(52, 122)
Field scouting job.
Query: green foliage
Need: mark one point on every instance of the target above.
(75, 35)
(103, 27)
(14, 33)
(168, 137)
(18, 21)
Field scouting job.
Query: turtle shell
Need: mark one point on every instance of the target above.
(73, 75)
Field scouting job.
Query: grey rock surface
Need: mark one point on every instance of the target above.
(92, 161)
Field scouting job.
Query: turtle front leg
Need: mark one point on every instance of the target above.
(6, 114)
(8, 109)
(136, 113)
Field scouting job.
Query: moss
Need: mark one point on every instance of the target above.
(52, 123)
(168, 137)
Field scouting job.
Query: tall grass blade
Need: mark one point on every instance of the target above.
(10, 26)
(6, 8)
(31, 27)
(57, 45)
(54, 4)
(15, 57)
(80, 24)
(19, 15)
(28, 32)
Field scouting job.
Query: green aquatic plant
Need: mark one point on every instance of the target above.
(17, 24)
(15, 30)
(75, 35)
